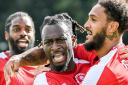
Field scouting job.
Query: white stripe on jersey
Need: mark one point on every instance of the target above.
(3, 55)
(76, 60)
(41, 79)
(95, 71)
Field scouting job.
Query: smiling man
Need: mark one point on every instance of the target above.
(20, 35)
(107, 20)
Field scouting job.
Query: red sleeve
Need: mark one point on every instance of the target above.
(3, 60)
(2, 80)
(2, 64)
(81, 53)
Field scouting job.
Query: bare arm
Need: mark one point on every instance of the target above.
(33, 56)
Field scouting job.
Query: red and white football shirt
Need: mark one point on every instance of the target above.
(74, 77)
(109, 70)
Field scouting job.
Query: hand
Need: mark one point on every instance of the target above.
(123, 52)
(33, 56)
(11, 68)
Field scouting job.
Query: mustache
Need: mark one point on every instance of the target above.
(53, 53)
(23, 38)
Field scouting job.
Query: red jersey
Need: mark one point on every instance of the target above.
(74, 77)
(109, 70)
(4, 57)
(81, 53)
(24, 76)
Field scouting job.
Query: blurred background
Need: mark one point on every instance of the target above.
(38, 9)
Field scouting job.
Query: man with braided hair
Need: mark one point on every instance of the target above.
(57, 44)
(20, 35)
(93, 60)
(73, 68)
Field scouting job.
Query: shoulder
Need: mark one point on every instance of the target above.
(79, 46)
(3, 55)
(41, 79)
(3, 59)
(76, 60)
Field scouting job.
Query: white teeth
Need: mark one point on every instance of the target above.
(89, 32)
(22, 40)
(22, 44)
(57, 55)
(58, 58)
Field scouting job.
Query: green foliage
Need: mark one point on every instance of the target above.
(38, 9)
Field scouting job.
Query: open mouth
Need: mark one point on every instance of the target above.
(22, 43)
(59, 58)
(89, 32)
(89, 36)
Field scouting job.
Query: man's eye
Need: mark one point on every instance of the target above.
(16, 29)
(93, 19)
(28, 29)
(61, 40)
(48, 42)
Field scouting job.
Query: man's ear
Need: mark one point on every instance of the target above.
(74, 40)
(112, 27)
(6, 35)
(112, 30)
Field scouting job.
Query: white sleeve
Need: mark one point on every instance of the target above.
(3, 55)
(41, 79)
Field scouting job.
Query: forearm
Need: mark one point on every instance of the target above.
(33, 56)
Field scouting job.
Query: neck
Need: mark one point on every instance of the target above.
(70, 67)
(107, 46)
(12, 52)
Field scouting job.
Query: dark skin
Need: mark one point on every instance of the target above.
(34, 56)
(21, 35)
(31, 57)
(57, 47)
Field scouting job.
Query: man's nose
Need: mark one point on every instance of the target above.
(87, 25)
(54, 45)
(23, 32)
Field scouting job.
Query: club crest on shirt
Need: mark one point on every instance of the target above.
(79, 77)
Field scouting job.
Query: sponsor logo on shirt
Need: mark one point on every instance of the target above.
(79, 77)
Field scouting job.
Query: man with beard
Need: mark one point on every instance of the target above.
(57, 44)
(68, 24)
(91, 56)
(108, 19)
(20, 35)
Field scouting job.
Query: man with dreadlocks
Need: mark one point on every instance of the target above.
(57, 44)
(57, 58)
(58, 48)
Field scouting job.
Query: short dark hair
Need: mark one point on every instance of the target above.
(62, 17)
(125, 37)
(14, 15)
(116, 11)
